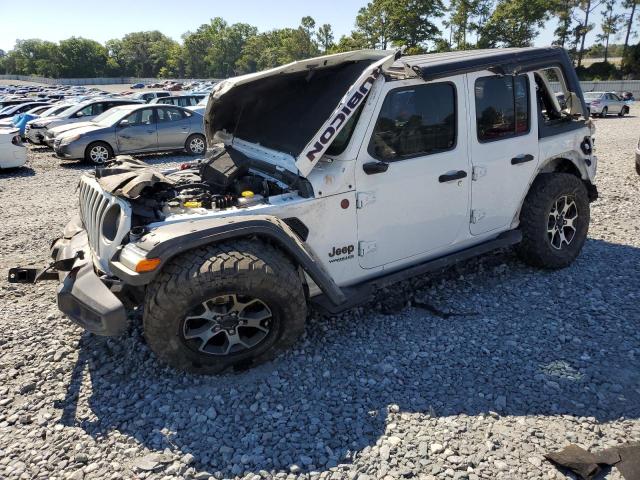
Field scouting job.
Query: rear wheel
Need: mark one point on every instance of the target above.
(98, 153)
(196, 144)
(232, 305)
(554, 221)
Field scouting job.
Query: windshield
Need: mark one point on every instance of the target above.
(592, 95)
(110, 117)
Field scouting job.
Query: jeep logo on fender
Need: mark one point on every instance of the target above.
(339, 254)
(339, 119)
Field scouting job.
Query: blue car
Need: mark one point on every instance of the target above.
(137, 85)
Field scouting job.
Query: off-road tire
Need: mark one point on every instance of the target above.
(243, 267)
(536, 248)
(88, 153)
(189, 144)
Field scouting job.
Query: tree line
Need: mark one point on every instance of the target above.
(218, 49)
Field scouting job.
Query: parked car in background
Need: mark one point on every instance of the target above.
(603, 103)
(12, 110)
(148, 96)
(80, 112)
(13, 153)
(155, 85)
(201, 106)
(627, 97)
(6, 102)
(37, 135)
(173, 87)
(86, 111)
(179, 100)
(134, 129)
(137, 85)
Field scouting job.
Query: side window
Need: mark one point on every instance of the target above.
(98, 108)
(169, 114)
(415, 121)
(502, 107)
(85, 112)
(141, 117)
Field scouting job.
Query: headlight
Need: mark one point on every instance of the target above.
(68, 140)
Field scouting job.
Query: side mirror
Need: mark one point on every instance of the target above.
(123, 123)
(574, 105)
(79, 114)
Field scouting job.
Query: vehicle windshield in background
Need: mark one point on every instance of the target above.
(110, 117)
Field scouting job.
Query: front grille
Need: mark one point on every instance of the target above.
(94, 205)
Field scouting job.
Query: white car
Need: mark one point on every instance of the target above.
(12, 151)
(327, 180)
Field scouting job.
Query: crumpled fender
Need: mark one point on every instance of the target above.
(167, 241)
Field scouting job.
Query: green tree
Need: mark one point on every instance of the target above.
(141, 54)
(611, 23)
(515, 23)
(465, 17)
(383, 23)
(80, 57)
(630, 4)
(564, 11)
(587, 7)
(325, 37)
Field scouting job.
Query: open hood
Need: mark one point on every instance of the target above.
(296, 110)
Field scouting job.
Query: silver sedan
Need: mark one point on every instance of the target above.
(133, 129)
(604, 103)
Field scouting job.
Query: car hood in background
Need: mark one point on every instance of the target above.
(93, 127)
(296, 109)
(70, 126)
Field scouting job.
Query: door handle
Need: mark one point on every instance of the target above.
(372, 168)
(451, 176)
(521, 159)
(125, 136)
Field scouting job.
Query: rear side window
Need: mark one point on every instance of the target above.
(502, 107)
(169, 114)
(415, 121)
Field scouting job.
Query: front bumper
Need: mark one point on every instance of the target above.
(82, 295)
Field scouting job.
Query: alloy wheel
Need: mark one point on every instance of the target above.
(197, 145)
(227, 324)
(99, 154)
(561, 226)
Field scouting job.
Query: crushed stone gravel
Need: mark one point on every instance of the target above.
(473, 373)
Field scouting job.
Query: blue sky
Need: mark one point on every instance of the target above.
(103, 20)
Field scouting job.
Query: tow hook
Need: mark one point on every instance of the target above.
(50, 272)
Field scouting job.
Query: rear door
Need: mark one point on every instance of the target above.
(504, 147)
(137, 132)
(173, 127)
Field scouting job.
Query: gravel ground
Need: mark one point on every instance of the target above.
(504, 364)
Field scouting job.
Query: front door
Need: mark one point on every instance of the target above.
(503, 138)
(413, 172)
(137, 132)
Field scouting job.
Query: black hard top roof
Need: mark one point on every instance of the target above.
(503, 60)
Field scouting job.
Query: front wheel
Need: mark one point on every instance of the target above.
(232, 305)
(623, 112)
(604, 112)
(98, 153)
(554, 221)
(196, 144)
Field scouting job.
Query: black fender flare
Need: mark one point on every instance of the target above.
(167, 241)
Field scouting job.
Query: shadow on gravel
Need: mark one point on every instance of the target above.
(537, 343)
(17, 172)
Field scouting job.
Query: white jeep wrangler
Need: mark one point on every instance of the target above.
(327, 179)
